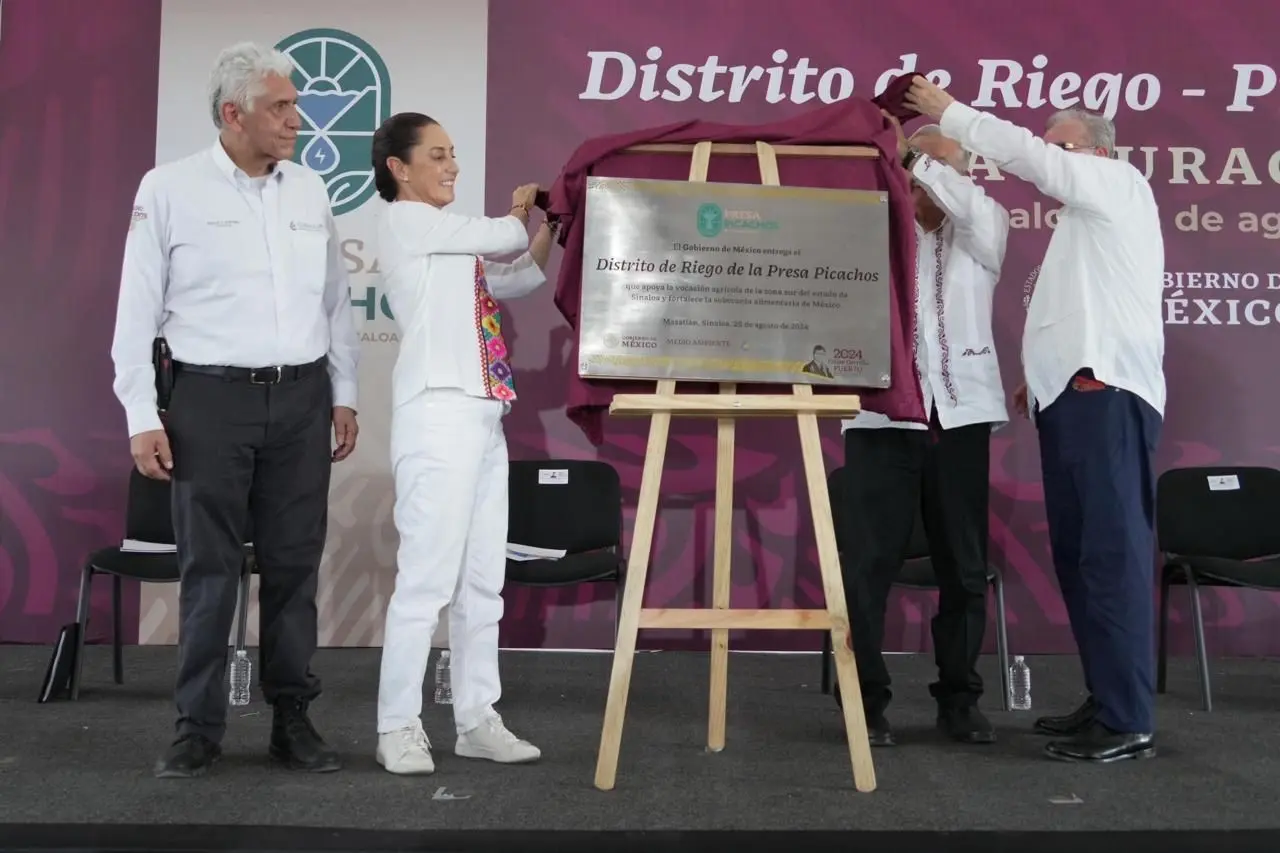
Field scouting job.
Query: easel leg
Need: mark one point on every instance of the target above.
(855, 722)
(624, 652)
(722, 577)
(824, 530)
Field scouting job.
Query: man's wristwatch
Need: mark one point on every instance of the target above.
(909, 159)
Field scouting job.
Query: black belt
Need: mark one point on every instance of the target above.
(255, 375)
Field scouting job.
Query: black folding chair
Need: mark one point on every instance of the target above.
(916, 573)
(567, 505)
(148, 518)
(1215, 527)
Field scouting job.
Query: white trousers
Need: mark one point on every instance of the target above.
(449, 459)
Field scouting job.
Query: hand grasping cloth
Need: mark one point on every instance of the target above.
(893, 99)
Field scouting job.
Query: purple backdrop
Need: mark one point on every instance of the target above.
(77, 132)
(75, 137)
(538, 65)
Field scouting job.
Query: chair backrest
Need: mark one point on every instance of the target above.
(566, 504)
(1232, 513)
(917, 548)
(148, 515)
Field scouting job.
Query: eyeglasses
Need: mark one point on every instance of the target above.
(1076, 149)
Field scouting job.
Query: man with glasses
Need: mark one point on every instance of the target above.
(1092, 354)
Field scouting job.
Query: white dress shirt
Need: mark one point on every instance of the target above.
(1097, 303)
(957, 267)
(428, 258)
(233, 271)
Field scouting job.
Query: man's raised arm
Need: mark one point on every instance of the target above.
(980, 221)
(1084, 182)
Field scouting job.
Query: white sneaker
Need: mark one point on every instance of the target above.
(492, 741)
(406, 752)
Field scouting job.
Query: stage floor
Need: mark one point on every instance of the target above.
(785, 766)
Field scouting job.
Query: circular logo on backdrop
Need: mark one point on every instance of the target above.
(710, 219)
(344, 93)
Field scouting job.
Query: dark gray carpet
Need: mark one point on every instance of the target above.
(785, 766)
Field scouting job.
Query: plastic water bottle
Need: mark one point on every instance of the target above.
(1020, 684)
(241, 677)
(444, 682)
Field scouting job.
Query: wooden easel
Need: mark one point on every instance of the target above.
(726, 407)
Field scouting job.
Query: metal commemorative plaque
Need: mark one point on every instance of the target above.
(735, 283)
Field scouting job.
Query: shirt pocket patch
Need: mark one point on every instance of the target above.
(309, 242)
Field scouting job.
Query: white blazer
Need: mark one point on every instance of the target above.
(429, 261)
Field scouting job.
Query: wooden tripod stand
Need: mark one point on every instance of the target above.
(725, 408)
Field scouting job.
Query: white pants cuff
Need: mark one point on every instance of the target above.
(465, 721)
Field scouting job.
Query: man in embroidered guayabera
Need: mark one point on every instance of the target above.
(901, 476)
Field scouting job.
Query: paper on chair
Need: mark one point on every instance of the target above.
(137, 546)
(523, 553)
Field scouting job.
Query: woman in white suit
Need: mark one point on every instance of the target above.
(451, 386)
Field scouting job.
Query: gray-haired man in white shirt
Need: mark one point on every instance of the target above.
(232, 257)
(1093, 352)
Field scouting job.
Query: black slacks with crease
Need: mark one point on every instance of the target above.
(247, 458)
(892, 474)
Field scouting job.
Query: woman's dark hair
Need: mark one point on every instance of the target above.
(396, 137)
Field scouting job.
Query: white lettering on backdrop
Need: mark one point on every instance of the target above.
(613, 75)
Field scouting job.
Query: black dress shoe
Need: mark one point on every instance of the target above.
(1069, 724)
(296, 743)
(965, 724)
(189, 756)
(879, 732)
(1100, 745)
